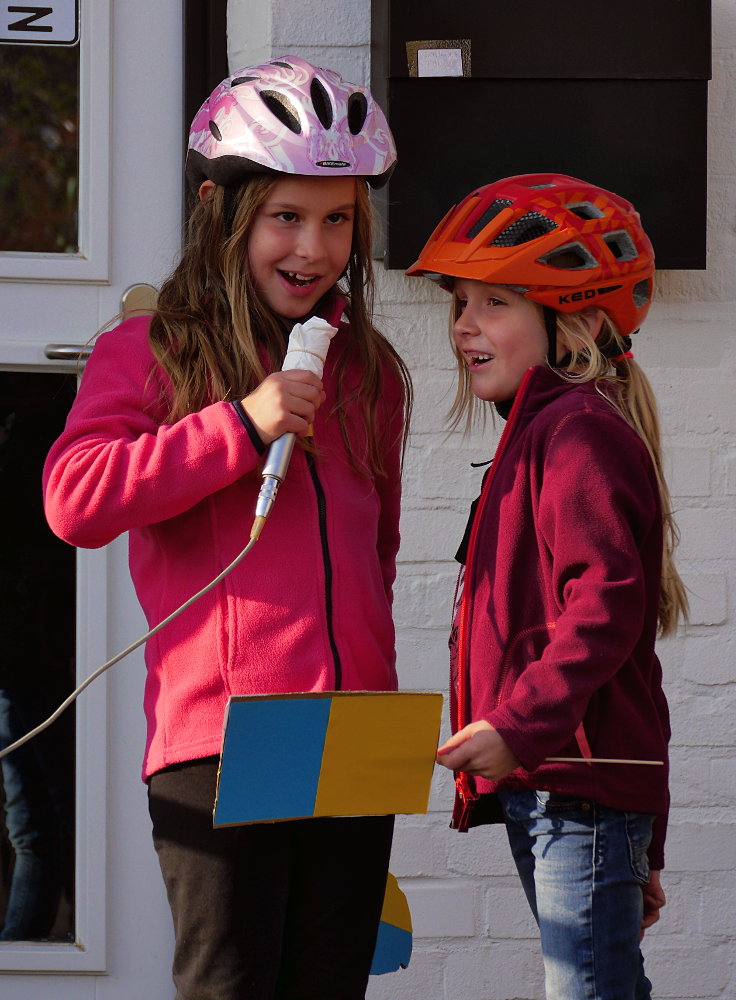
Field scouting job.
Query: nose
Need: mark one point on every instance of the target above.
(466, 323)
(311, 243)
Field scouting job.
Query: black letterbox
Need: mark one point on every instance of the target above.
(613, 91)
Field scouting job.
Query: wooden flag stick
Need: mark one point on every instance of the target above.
(602, 760)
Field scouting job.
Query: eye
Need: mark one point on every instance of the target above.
(334, 218)
(496, 302)
(287, 216)
(461, 303)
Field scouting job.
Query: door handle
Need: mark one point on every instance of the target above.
(135, 299)
(67, 352)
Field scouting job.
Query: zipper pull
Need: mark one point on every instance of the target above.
(465, 799)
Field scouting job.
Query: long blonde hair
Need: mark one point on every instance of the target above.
(623, 384)
(211, 328)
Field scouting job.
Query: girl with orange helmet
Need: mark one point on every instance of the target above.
(560, 724)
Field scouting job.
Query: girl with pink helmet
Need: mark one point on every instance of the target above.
(166, 439)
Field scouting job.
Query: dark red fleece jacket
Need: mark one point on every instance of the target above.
(555, 646)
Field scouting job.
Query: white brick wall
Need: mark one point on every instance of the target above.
(474, 939)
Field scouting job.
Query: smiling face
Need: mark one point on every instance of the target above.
(300, 241)
(499, 334)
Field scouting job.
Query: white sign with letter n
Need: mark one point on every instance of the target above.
(53, 23)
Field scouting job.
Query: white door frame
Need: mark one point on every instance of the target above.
(130, 227)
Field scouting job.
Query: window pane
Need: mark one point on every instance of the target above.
(37, 670)
(39, 152)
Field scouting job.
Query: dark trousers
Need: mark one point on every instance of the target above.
(274, 911)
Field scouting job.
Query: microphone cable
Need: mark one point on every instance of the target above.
(129, 649)
(306, 350)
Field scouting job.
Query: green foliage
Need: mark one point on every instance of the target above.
(39, 151)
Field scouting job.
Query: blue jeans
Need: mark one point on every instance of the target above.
(30, 822)
(583, 866)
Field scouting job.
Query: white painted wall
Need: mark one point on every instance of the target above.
(473, 937)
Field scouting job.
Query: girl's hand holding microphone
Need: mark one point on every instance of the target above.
(284, 403)
(478, 749)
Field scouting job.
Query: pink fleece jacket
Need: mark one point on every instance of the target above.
(308, 609)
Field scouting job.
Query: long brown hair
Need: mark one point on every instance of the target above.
(211, 328)
(627, 388)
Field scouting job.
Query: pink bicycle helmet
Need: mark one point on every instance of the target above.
(288, 116)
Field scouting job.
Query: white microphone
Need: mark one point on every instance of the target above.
(306, 351)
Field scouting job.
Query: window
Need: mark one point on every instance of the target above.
(54, 101)
(39, 155)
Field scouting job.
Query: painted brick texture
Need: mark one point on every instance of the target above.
(474, 939)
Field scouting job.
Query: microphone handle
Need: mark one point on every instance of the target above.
(273, 472)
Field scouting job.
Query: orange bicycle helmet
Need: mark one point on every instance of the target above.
(560, 241)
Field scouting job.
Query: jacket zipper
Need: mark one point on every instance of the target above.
(464, 783)
(327, 562)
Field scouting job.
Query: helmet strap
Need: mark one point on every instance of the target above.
(550, 325)
(614, 352)
(229, 204)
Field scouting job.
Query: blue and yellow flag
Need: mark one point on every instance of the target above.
(394, 942)
(326, 754)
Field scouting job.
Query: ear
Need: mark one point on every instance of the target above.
(205, 190)
(593, 318)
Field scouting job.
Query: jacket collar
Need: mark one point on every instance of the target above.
(540, 387)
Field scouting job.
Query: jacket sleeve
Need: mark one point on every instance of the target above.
(598, 503)
(116, 466)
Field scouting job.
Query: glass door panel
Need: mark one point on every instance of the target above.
(39, 153)
(37, 670)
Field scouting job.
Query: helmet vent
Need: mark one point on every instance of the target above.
(585, 210)
(283, 109)
(215, 131)
(283, 65)
(571, 257)
(529, 227)
(490, 213)
(321, 102)
(642, 293)
(621, 245)
(357, 112)
(241, 79)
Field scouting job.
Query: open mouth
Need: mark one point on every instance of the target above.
(299, 280)
(476, 360)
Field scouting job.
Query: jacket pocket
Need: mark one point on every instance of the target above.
(526, 647)
(639, 834)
